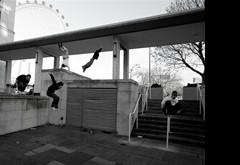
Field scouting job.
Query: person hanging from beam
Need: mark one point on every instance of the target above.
(94, 57)
(65, 55)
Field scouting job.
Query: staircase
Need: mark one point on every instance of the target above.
(187, 129)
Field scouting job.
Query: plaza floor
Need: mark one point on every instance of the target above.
(55, 145)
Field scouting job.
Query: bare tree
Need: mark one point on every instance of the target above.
(158, 75)
(190, 55)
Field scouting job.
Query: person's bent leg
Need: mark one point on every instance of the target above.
(52, 95)
(55, 101)
(87, 65)
(169, 108)
(57, 98)
(179, 109)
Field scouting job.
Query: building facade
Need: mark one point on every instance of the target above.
(7, 16)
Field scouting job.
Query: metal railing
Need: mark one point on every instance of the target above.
(135, 112)
(200, 101)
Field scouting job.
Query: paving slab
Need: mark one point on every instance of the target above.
(75, 158)
(49, 155)
(30, 153)
(64, 149)
(137, 160)
(12, 160)
(103, 161)
(182, 159)
(149, 152)
(120, 157)
(52, 145)
(55, 163)
(116, 143)
(13, 150)
(160, 162)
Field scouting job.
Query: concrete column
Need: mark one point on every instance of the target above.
(56, 62)
(38, 71)
(8, 72)
(126, 64)
(116, 58)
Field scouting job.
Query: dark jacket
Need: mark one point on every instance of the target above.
(55, 86)
(96, 54)
(23, 79)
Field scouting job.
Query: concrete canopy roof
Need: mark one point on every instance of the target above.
(165, 29)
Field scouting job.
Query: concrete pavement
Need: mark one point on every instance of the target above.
(55, 145)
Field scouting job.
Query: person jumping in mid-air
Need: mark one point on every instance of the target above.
(95, 57)
(50, 92)
(65, 55)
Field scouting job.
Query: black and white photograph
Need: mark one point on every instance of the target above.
(102, 82)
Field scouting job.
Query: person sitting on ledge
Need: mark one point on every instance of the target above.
(21, 83)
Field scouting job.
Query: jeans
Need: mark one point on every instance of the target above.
(55, 99)
(171, 109)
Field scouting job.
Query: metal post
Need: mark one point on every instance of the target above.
(129, 127)
(149, 74)
(137, 117)
(142, 104)
(168, 130)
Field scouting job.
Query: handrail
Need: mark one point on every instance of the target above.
(145, 100)
(200, 101)
(135, 110)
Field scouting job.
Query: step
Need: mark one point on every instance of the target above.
(173, 128)
(179, 119)
(172, 139)
(187, 129)
(186, 113)
(163, 130)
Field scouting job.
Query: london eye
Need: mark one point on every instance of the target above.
(34, 19)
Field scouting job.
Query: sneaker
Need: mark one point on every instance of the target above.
(180, 112)
(54, 108)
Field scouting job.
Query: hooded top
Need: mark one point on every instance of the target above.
(23, 79)
(55, 86)
(96, 54)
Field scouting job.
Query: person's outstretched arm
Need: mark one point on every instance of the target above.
(53, 79)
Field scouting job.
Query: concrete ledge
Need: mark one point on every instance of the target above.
(18, 112)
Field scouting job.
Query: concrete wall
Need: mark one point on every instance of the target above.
(18, 112)
(58, 117)
(2, 75)
(190, 93)
(157, 93)
(127, 94)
